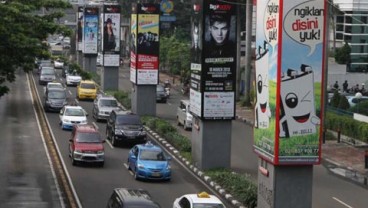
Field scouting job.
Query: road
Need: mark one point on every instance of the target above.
(94, 184)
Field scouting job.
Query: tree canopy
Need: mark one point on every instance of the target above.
(24, 28)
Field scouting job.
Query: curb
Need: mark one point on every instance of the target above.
(244, 120)
(206, 179)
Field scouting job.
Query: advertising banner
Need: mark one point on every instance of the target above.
(218, 71)
(111, 35)
(80, 24)
(147, 44)
(133, 48)
(289, 76)
(90, 30)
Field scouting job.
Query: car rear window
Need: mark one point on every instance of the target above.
(128, 119)
(88, 137)
(57, 94)
(108, 103)
(154, 155)
(48, 72)
(74, 112)
(88, 86)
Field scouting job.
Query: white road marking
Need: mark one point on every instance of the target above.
(125, 165)
(341, 202)
(70, 93)
(169, 103)
(76, 101)
(108, 142)
(95, 125)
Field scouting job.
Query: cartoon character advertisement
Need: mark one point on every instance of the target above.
(295, 119)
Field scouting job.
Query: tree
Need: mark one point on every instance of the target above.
(343, 103)
(342, 55)
(23, 31)
(335, 100)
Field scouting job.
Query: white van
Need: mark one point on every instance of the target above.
(183, 115)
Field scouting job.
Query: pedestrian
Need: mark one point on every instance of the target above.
(336, 85)
(345, 86)
(356, 89)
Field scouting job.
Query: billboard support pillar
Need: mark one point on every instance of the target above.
(89, 62)
(284, 186)
(211, 143)
(80, 58)
(144, 100)
(110, 78)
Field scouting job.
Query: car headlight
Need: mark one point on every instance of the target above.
(140, 165)
(66, 120)
(47, 102)
(65, 102)
(84, 121)
(118, 132)
(168, 167)
(100, 152)
(77, 151)
(143, 133)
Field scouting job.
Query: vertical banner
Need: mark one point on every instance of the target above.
(80, 24)
(90, 30)
(133, 45)
(111, 35)
(196, 58)
(292, 133)
(218, 73)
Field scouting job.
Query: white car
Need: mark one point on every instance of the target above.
(53, 85)
(72, 115)
(58, 64)
(202, 199)
(72, 79)
(183, 115)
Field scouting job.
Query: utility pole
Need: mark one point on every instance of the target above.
(248, 49)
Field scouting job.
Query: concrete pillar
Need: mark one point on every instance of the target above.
(80, 58)
(110, 78)
(211, 143)
(89, 62)
(283, 186)
(144, 100)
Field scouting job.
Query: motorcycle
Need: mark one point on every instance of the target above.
(167, 87)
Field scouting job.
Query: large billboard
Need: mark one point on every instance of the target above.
(90, 30)
(289, 80)
(111, 35)
(213, 64)
(133, 47)
(80, 24)
(147, 44)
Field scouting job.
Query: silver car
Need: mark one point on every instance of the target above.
(47, 75)
(103, 105)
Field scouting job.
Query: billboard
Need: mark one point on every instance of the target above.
(133, 48)
(147, 44)
(80, 24)
(289, 80)
(90, 30)
(111, 35)
(213, 58)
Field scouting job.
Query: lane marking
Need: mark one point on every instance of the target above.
(70, 93)
(169, 103)
(95, 125)
(76, 101)
(341, 202)
(108, 142)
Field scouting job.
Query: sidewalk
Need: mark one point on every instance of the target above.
(343, 159)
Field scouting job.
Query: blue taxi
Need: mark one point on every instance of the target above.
(148, 161)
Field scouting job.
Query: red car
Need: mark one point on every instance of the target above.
(86, 145)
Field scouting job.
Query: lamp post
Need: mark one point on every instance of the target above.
(358, 96)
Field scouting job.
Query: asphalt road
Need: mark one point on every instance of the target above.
(94, 184)
(26, 177)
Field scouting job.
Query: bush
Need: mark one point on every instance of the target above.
(361, 108)
(123, 98)
(335, 100)
(343, 103)
(238, 184)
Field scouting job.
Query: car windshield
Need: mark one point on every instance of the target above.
(108, 103)
(54, 85)
(88, 137)
(200, 205)
(128, 119)
(56, 94)
(74, 112)
(87, 86)
(160, 88)
(47, 72)
(155, 155)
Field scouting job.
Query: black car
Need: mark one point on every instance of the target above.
(124, 126)
(131, 198)
(55, 99)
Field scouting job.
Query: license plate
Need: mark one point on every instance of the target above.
(156, 174)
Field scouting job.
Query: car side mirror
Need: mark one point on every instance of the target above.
(70, 140)
(183, 110)
(61, 112)
(168, 158)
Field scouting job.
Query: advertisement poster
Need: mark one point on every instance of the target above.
(133, 48)
(111, 35)
(289, 91)
(148, 44)
(218, 73)
(195, 102)
(80, 25)
(218, 105)
(300, 107)
(266, 63)
(90, 30)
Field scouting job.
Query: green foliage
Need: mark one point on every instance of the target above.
(347, 125)
(342, 55)
(335, 100)
(23, 30)
(343, 103)
(239, 185)
(361, 108)
(122, 97)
